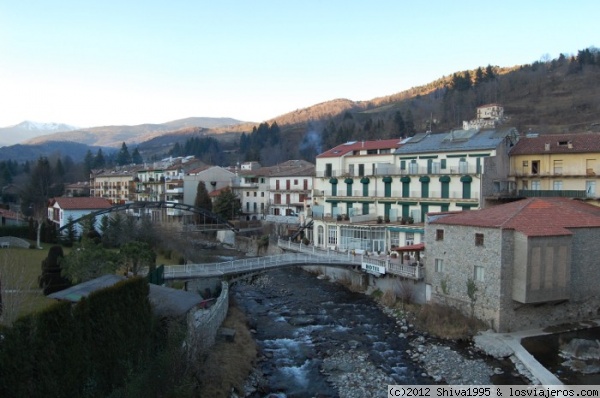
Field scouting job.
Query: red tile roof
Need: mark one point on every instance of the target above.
(349, 147)
(81, 203)
(557, 143)
(532, 217)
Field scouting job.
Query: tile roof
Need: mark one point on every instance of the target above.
(352, 146)
(557, 143)
(456, 141)
(81, 203)
(289, 168)
(532, 216)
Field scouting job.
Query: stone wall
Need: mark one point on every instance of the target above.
(204, 324)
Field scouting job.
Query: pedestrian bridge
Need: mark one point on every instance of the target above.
(298, 255)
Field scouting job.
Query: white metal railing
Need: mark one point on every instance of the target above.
(304, 255)
(408, 271)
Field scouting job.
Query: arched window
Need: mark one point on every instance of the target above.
(320, 232)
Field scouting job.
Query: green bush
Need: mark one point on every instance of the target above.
(86, 349)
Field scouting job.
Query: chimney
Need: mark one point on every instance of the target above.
(547, 146)
(570, 145)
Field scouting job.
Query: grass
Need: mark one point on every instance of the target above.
(228, 364)
(446, 322)
(19, 272)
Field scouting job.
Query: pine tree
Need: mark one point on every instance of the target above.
(123, 157)
(136, 158)
(99, 161)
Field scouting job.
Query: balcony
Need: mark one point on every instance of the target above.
(549, 174)
(396, 195)
(418, 170)
(529, 193)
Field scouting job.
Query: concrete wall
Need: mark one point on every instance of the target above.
(204, 324)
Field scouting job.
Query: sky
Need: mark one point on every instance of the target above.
(129, 62)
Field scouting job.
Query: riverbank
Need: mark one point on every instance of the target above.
(354, 372)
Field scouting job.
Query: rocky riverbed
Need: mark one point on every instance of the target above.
(355, 363)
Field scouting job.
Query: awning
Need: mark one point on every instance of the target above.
(411, 248)
(365, 180)
(445, 179)
(333, 180)
(405, 179)
(424, 179)
(466, 179)
(387, 179)
(349, 180)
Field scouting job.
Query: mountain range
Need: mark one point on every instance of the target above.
(556, 96)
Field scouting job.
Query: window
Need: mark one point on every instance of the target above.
(478, 239)
(536, 185)
(247, 193)
(262, 194)
(526, 163)
(558, 167)
(410, 238)
(439, 265)
(332, 235)
(535, 166)
(255, 194)
(328, 170)
(361, 170)
(439, 234)
(351, 170)
(463, 166)
(295, 182)
(557, 185)
(479, 273)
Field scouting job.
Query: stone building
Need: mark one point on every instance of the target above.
(522, 265)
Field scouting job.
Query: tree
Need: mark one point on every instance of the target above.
(399, 121)
(409, 123)
(71, 235)
(202, 201)
(123, 157)
(99, 160)
(88, 163)
(136, 158)
(136, 255)
(88, 261)
(40, 188)
(489, 73)
(227, 205)
(51, 279)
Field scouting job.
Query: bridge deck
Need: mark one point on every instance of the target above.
(302, 255)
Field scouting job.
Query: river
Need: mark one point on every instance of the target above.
(302, 321)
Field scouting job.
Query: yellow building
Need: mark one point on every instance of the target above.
(565, 165)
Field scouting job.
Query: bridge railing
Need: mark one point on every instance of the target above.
(246, 265)
(404, 270)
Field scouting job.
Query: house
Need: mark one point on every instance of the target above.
(215, 178)
(354, 203)
(62, 210)
(116, 185)
(279, 190)
(566, 165)
(290, 186)
(448, 171)
(526, 264)
(81, 188)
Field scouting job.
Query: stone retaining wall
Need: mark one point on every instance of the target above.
(204, 324)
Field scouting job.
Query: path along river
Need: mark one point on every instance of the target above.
(318, 339)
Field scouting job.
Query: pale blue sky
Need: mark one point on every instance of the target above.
(131, 62)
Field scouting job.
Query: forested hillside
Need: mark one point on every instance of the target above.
(561, 95)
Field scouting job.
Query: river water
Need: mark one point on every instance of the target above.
(300, 320)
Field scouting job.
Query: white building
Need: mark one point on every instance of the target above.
(62, 210)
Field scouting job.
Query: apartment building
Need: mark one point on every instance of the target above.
(565, 165)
